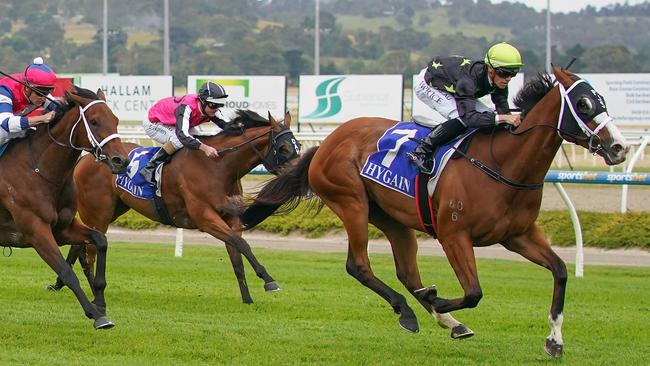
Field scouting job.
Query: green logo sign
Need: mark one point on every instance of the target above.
(329, 102)
(244, 83)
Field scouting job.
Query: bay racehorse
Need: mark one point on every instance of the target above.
(197, 191)
(37, 196)
(497, 203)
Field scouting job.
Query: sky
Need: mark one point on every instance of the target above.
(565, 6)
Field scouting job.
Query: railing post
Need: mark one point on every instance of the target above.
(630, 166)
(576, 229)
(178, 251)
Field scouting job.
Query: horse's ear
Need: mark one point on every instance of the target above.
(287, 120)
(562, 76)
(272, 121)
(101, 95)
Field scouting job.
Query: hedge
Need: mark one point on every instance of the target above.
(602, 230)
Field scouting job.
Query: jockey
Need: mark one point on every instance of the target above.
(171, 122)
(17, 100)
(452, 85)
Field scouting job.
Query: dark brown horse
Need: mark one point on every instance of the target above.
(473, 207)
(196, 190)
(37, 197)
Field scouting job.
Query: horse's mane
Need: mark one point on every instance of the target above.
(66, 104)
(250, 119)
(534, 90)
(245, 119)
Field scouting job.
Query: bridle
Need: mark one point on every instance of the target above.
(96, 148)
(272, 159)
(602, 119)
(591, 136)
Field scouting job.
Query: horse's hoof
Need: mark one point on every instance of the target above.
(553, 349)
(272, 286)
(461, 332)
(410, 323)
(103, 323)
(53, 288)
(247, 300)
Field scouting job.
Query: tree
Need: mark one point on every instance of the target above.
(609, 59)
(42, 31)
(117, 39)
(296, 63)
(397, 62)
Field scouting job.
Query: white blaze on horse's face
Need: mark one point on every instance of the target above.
(615, 134)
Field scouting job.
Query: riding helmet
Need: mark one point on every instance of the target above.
(503, 55)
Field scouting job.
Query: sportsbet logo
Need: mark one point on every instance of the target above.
(243, 83)
(329, 102)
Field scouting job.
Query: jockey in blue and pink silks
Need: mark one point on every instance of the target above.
(18, 100)
(171, 122)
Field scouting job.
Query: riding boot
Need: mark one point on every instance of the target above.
(161, 156)
(423, 155)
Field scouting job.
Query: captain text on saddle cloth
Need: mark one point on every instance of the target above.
(452, 86)
(172, 121)
(17, 100)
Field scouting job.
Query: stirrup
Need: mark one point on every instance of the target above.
(422, 145)
(424, 163)
(148, 174)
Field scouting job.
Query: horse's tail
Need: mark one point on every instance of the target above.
(284, 191)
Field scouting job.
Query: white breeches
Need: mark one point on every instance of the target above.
(438, 100)
(163, 133)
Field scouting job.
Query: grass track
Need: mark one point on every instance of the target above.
(172, 311)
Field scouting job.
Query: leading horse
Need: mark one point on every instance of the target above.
(37, 196)
(196, 191)
(497, 203)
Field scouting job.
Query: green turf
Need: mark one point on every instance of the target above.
(187, 311)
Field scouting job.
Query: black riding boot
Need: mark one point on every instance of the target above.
(148, 171)
(423, 155)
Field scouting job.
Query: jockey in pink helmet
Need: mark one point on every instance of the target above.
(20, 94)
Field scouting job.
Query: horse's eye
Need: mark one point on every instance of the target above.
(94, 122)
(585, 105)
(285, 150)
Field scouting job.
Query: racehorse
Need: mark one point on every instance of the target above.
(37, 196)
(196, 190)
(496, 203)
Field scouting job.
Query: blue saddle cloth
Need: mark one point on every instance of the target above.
(132, 181)
(390, 166)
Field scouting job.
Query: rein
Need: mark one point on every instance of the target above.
(96, 149)
(497, 176)
(593, 141)
(245, 142)
(525, 186)
(272, 160)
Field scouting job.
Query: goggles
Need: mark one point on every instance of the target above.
(506, 73)
(43, 90)
(213, 105)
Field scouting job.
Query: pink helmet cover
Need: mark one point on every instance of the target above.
(40, 74)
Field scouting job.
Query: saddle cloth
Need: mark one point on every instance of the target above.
(132, 181)
(390, 166)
